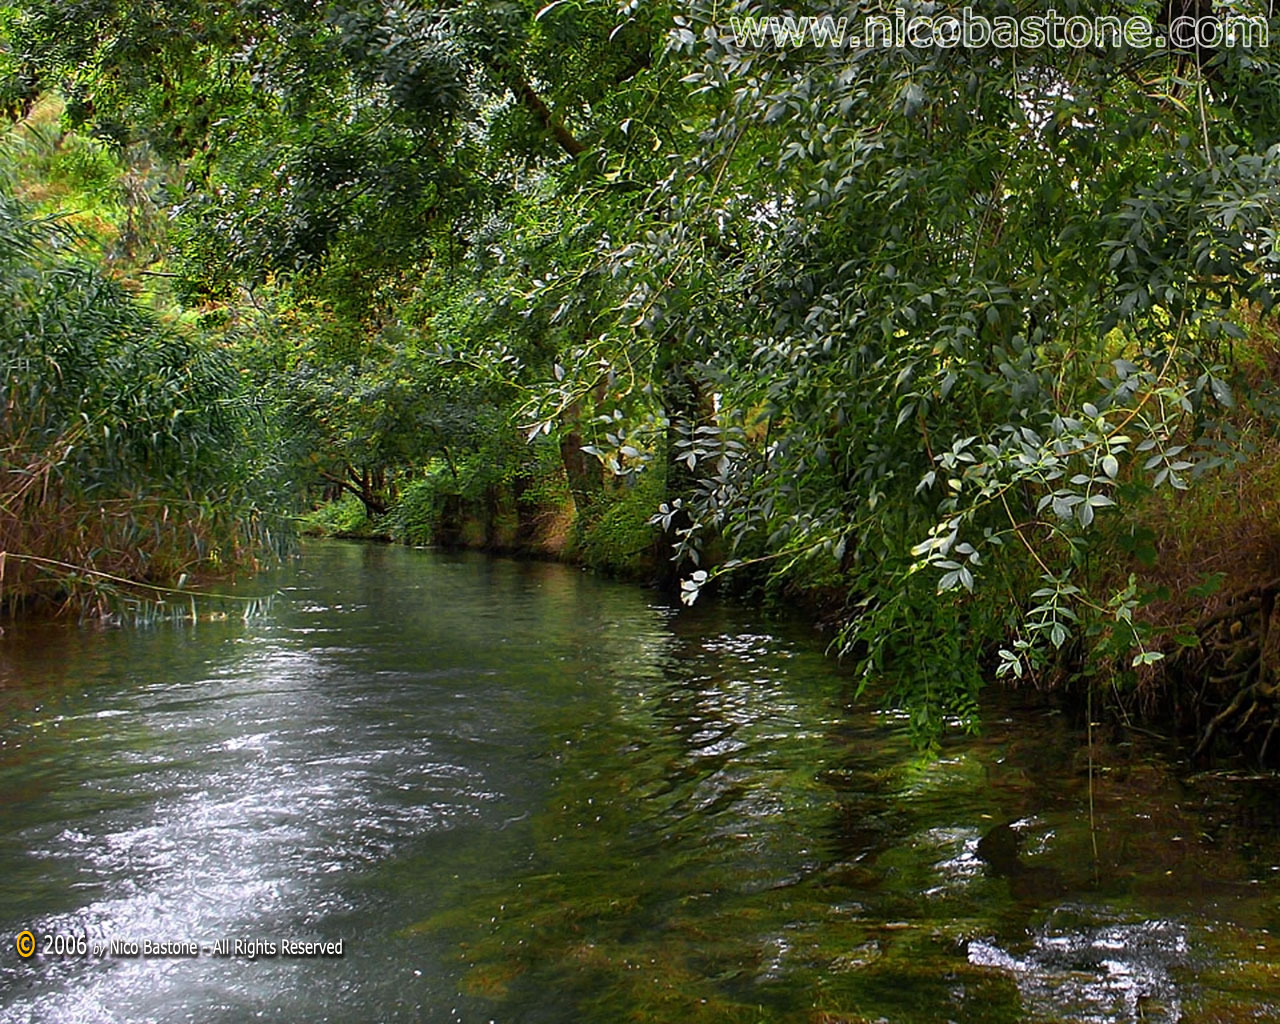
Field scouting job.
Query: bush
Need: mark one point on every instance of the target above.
(418, 516)
(128, 452)
(345, 517)
(621, 539)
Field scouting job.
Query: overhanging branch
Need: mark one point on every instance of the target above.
(537, 106)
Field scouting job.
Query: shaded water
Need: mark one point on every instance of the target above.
(517, 793)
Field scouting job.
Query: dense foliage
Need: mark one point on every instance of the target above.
(908, 325)
(131, 453)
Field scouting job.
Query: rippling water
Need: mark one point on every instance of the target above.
(517, 793)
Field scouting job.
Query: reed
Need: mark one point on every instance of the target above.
(128, 455)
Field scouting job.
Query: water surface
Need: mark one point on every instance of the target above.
(518, 793)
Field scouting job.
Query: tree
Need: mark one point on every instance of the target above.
(909, 322)
(970, 300)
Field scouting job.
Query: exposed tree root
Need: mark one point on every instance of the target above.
(1232, 674)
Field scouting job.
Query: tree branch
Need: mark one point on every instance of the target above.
(366, 497)
(538, 107)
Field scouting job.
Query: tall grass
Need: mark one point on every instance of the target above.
(128, 455)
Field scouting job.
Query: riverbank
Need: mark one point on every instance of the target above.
(538, 520)
(1207, 567)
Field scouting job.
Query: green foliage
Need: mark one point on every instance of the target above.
(961, 305)
(61, 163)
(345, 517)
(127, 450)
(620, 538)
(914, 323)
(546, 488)
(418, 515)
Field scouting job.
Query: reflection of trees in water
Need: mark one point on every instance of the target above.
(723, 834)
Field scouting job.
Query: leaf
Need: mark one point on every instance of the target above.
(1210, 586)
(548, 9)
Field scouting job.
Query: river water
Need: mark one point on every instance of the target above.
(517, 793)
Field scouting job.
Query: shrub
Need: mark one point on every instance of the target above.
(621, 539)
(128, 452)
(418, 515)
(345, 517)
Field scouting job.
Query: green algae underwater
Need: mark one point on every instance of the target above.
(732, 841)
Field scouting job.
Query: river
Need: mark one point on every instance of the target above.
(514, 792)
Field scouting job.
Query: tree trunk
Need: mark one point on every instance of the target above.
(526, 514)
(361, 485)
(583, 470)
(492, 507)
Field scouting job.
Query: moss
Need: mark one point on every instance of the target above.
(490, 981)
